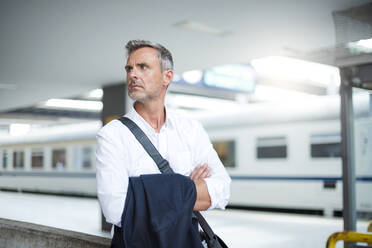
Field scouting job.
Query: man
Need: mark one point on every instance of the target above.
(181, 141)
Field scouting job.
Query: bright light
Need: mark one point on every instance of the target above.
(274, 94)
(199, 103)
(74, 104)
(97, 93)
(19, 129)
(232, 77)
(361, 46)
(192, 77)
(296, 71)
(176, 77)
(366, 43)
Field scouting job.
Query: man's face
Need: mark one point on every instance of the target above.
(144, 75)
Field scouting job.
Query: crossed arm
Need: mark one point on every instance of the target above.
(203, 200)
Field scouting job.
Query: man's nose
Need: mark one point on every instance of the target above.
(133, 74)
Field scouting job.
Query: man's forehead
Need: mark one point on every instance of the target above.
(143, 53)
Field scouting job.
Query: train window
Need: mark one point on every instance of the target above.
(37, 158)
(5, 158)
(87, 157)
(325, 145)
(226, 152)
(271, 147)
(59, 159)
(18, 160)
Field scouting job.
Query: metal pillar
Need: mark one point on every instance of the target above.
(114, 101)
(348, 160)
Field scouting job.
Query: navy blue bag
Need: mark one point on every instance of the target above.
(158, 212)
(212, 240)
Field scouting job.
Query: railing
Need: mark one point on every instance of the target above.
(349, 237)
(22, 234)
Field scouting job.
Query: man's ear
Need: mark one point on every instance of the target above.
(167, 77)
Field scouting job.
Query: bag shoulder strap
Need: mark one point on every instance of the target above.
(162, 164)
(147, 145)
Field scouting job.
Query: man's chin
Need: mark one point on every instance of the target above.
(137, 98)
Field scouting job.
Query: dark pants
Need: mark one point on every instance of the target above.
(117, 241)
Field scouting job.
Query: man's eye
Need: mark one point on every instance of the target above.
(143, 67)
(128, 69)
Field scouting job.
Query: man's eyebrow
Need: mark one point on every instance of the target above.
(128, 67)
(141, 64)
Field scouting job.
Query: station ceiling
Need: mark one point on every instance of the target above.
(60, 48)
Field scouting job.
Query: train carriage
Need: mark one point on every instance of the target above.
(280, 157)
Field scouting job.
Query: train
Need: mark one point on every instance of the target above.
(281, 157)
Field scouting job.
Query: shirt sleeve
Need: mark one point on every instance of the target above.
(112, 176)
(218, 183)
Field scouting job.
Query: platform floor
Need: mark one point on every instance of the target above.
(240, 229)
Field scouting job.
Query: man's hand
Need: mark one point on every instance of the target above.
(200, 172)
(203, 201)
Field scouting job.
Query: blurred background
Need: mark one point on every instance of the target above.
(264, 77)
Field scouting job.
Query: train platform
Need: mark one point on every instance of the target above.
(238, 228)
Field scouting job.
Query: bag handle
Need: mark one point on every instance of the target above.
(163, 165)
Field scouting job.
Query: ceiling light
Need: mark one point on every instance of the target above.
(200, 27)
(192, 77)
(97, 94)
(366, 43)
(19, 129)
(296, 71)
(361, 46)
(198, 102)
(265, 93)
(237, 77)
(74, 104)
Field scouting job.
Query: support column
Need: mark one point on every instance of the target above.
(348, 160)
(114, 99)
(114, 106)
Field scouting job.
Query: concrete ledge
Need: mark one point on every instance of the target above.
(24, 235)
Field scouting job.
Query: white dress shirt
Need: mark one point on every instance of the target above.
(181, 141)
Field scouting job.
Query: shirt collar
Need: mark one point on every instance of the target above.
(169, 123)
(132, 114)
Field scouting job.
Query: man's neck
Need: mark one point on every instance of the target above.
(153, 112)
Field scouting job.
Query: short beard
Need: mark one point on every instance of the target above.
(137, 99)
(146, 97)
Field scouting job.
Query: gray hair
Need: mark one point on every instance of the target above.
(165, 57)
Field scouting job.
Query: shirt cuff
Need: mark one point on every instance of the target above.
(217, 193)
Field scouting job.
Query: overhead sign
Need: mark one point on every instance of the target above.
(235, 77)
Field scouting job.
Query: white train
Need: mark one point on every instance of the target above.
(280, 157)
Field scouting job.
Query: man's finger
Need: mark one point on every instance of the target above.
(205, 174)
(194, 172)
(199, 172)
